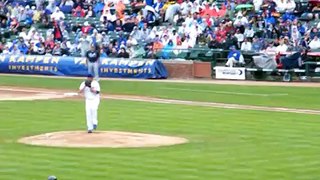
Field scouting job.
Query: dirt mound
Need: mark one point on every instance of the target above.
(99, 139)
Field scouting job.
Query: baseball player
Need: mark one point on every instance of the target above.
(91, 90)
(52, 178)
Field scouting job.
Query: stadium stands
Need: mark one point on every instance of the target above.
(197, 30)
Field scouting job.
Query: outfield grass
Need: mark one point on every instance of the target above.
(292, 97)
(224, 144)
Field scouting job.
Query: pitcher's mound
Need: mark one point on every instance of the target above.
(109, 139)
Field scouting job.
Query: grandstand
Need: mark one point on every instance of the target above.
(199, 30)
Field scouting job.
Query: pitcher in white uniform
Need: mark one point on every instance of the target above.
(91, 90)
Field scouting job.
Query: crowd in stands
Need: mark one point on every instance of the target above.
(127, 28)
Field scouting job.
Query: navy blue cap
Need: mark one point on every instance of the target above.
(89, 76)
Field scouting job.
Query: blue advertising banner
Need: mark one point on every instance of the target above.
(71, 66)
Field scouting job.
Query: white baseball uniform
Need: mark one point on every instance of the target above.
(92, 103)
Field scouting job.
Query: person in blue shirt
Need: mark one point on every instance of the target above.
(256, 44)
(98, 8)
(167, 50)
(234, 57)
(158, 6)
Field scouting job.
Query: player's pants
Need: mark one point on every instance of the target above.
(231, 61)
(93, 68)
(92, 113)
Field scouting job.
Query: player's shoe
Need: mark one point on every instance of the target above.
(95, 126)
(89, 131)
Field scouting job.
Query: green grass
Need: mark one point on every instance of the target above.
(224, 144)
(295, 97)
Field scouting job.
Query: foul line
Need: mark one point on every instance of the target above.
(228, 92)
(181, 102)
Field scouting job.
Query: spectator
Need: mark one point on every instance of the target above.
(103, 53)
(234, 57)
(118, 25)
(98, 8)
(3, 23)
(22, 16)
(257, 4)
(78, 3)
(67, 3)
(282, 46)
(90, 12)
(14, 50)
(167, 49)
(37, 16)
(256, 44)
(240, 37)
(129, 24)
(123, 53)
(316, 11)
(57, 51)
(86, 28)
(14, 24)
(120, 7)
(78, 12)
(39, 3)
(15, 10)
(57, 15)
(246, 45)
(158, 6)
(84, 45)
(315, 43)
(5, 51)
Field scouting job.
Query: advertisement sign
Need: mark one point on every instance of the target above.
(230, 73)
(71, 66)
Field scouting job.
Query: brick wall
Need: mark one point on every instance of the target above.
(188, 69)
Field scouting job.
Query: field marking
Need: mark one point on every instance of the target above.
(217, 105)
(174, 101)
(229, 92)
(185, 81)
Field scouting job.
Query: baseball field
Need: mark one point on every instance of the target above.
(234, 131)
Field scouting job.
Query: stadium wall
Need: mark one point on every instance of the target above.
(188, 69)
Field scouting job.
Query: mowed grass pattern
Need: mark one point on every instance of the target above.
(224, 144)
(292, 97)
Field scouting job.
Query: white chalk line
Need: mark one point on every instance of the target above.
(219, 105)
(228, 92)
(180, 102)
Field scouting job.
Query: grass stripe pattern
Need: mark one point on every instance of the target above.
(224, 143)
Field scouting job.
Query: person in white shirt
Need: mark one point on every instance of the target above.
(291, 5)
(57, 14)
(315, 43)
(91, 90)
(257, 4)
(69, 3)
(246, 45)
(186, 7)
(239, 36)
(282, 47)
(23, 34)
(249, 32)
(240, 20)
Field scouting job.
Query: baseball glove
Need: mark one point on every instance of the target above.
(88, 83)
